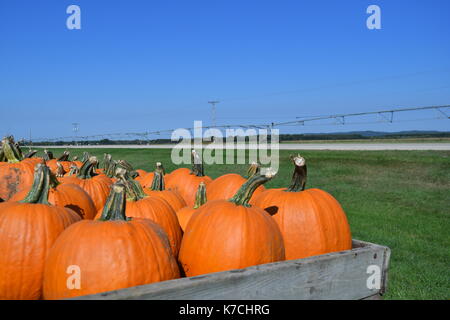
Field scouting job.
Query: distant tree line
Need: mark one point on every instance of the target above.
(282, 137)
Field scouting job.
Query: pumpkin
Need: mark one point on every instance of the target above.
(28, 230)
(65, 195)
(111, 253)
(97, 186)
(140, 205)
(185, 214)
(225, 186)
(17, 173)
(141, 173)
(230, 234)
(312, 221)
(63, 161)
(187, 184)
(157, 190)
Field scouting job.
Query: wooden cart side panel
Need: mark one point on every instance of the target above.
(339, 275)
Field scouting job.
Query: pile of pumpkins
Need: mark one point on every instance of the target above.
(70, 228)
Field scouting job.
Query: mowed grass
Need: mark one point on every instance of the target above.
(400, 199)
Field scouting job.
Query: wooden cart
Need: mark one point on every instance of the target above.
(359, 273)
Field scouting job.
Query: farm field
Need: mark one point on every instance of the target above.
(400, 199)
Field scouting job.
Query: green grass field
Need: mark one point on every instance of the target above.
(400, 199)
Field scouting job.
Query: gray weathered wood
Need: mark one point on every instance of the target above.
(338, 275)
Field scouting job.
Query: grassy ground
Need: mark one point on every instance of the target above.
(400, 199)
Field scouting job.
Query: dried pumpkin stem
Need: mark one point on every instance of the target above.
(30, 154)
(298, 182)
(197, 164)
(160, 168)
(86, 156)
(87, 169)
(254, 169)
(48, 155)
(41, 185)
(74, 170)
(158, 182)
(200, 196)
(133, 188)
(64, 156)
(245, 192)
(114, 208)
(60, 172)
(10, 150)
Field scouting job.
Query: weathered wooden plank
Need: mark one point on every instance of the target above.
(339, 275)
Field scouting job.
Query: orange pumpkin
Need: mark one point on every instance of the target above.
(111, 253)
(157, 190)
(97, 186)
(65, 195)
(312, 221)
(63, 162)
(140, 205)
(15, 174)
(28, 230)
(225, 186)
(185, 214)
(187, 184)
(229, 234)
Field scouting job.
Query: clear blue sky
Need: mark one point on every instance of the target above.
(150, 65)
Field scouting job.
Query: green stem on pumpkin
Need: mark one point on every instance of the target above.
(10, 151)
(197, 164)
(74, 170)
(158, 182)
(106, 162)
(87, 169)
(60, 172)
(115, 205)
(133, 188)
(64, 156)
(30, 154)
(245, 192)
(200, 196)
(86, 156)
(41, 185)
(253, 170)
(48, 155)
(298, 181)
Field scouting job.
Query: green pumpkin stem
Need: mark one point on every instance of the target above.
(197, 164)
(245, 192)
(11, 152)
(160, 168)
(87, 169)
(60, 172)
(30, 154)
(133, 188)
(115, 205)
(200, 196)
(64, 156)
(74, 170)
(48, 155)
(254, 169)
(298, 181)
(41, 185)
(106, 161)
(158, 182)
(86, 156)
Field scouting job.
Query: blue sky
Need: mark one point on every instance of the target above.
(150, 65)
